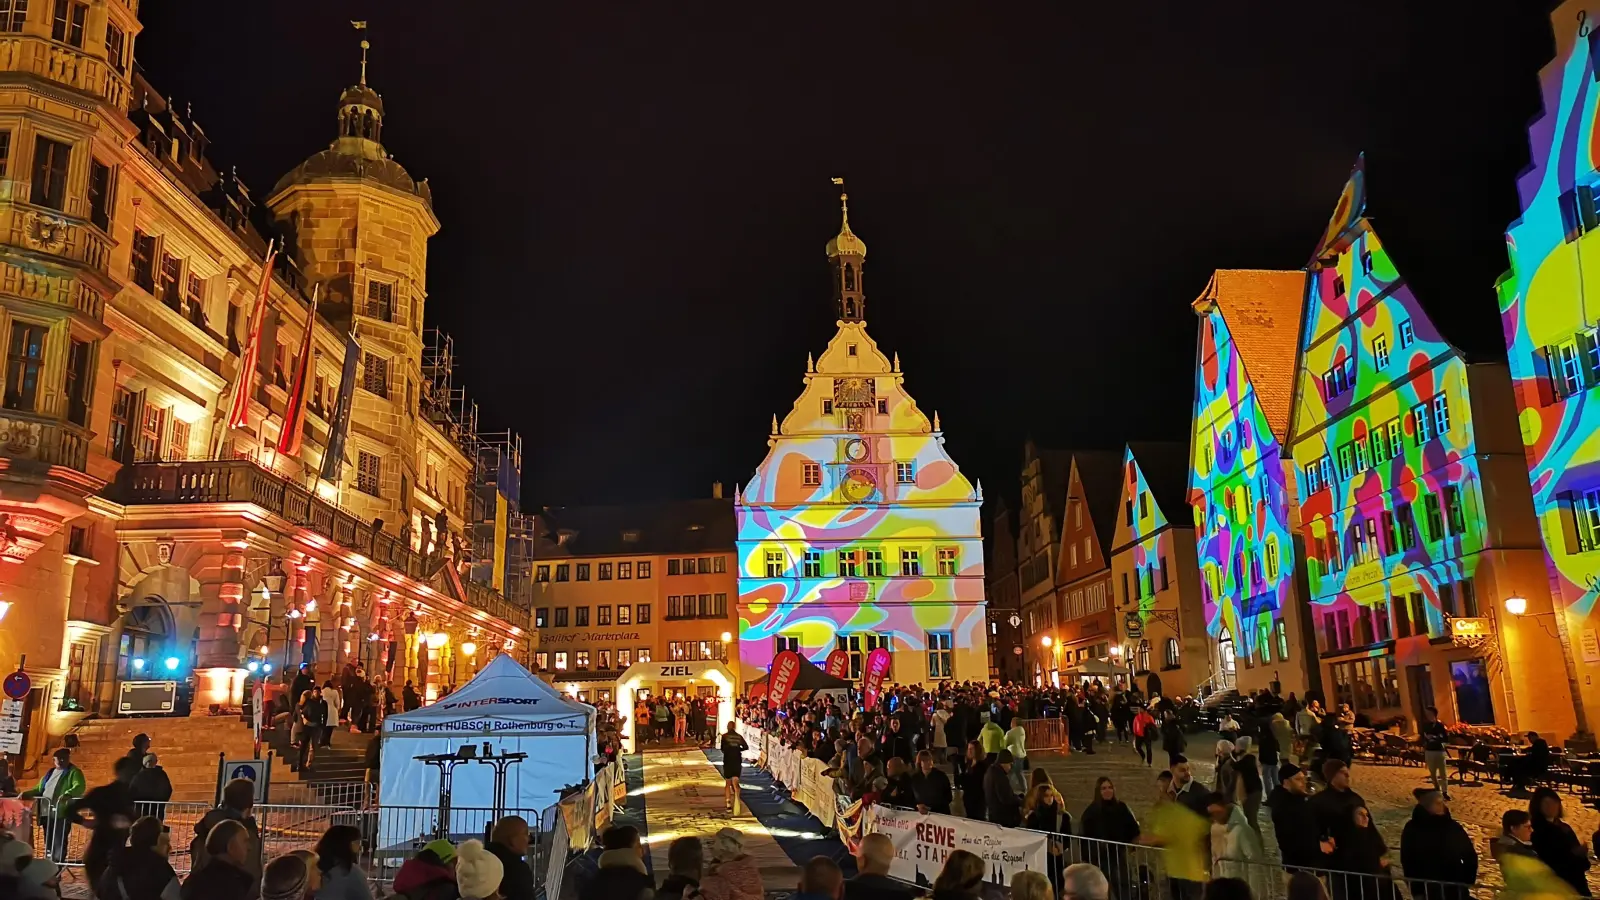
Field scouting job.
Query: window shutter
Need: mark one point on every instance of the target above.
(135, 423)
(1568, 517)
(1586, 211)
(1570, 223)
(1543, 376)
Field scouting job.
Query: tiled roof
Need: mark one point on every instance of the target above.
(1263, 309)
(1100, 472)
(685, 526)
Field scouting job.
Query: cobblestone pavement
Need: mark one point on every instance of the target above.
(683, 796)
(1386, 788)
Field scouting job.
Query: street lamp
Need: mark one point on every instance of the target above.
(1516, 604)
(1045, 642)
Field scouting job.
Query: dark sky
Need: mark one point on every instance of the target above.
(635, 197)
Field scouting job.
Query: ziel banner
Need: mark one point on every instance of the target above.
(923, 842)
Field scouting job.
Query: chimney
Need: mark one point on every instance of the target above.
(716, 490)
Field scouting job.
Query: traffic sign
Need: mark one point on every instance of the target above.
(252, 770)
(17, 685)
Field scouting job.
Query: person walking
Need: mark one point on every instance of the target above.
(1017, 743)
(333, 701)
(1434, 738)
(1145, 734)
(733, 748)
(1555, 842)
(111, 815)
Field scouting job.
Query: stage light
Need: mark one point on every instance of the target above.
(311, 606)
(172, 663)
(266, 668)
(138, 664)
(253, 665)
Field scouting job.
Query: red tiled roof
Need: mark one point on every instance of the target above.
(1263, 309)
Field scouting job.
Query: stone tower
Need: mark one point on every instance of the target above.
(358, 227)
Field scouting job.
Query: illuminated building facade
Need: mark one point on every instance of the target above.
(1159, 615)
(1086, 631)
(139, 526)
(618, 585)
(1413, 507)
(1239, 481)
(1552, 335)
(858, 530)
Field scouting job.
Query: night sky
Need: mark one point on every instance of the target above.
(635, 197)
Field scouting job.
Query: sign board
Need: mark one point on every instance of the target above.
(1133, 625)
(922, 842)
(147, 698)
(785, 669)
(1467, 630)
(1590, 642)
(11, 742)
(254, 770)
(838, 664)
(10, 715)
(17, 685)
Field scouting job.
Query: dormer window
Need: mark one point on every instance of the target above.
(850, 349)
(631, 536)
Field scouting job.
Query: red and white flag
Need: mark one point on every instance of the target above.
(244, 381)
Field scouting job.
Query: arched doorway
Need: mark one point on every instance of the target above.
(1225, 660)
(149, 643)
(641, 676)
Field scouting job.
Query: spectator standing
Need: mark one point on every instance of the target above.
(1334, 808)
(509, 841)
(223, 871)
(1110, 820)
(1434, 846)
(972, 782)
(961, 878)
(1300, 841)
(140, 870)
(151, 789)
(820, 879)
(1364, 852)
(238, 805)
(478, 872)
(339, 862)
(333, 702)
(58, 788)
(622, 875)
(931, 786)
(430, 875)
(1017, 742)
(1030, 886)
(686, 860)
(1000, 802)
(1434, 739)
(1082, 881)
(733, 874)
(873, 860)
(1556, 843)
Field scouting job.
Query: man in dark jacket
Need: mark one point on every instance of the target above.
(622, 875)
(1003, 807)
(931, 786)
(873, 860)
(140, 871)
(1299, 841)
(955, 736)
(238, 805)
(1334, 809)
(686, 862)
(508, 841)
(227, 870)
(151, 787)
(113, 811)
(896, 742)
(1434, 846)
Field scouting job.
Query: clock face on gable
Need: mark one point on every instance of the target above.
(859, 485)
(855, 450)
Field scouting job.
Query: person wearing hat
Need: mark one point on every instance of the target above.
(59, 787)
(38, 879)
(1335, 808)
(430, 875)
(733, 874)
(1299, 841)
(478, 872)
(1001, 804)
(1434, 846)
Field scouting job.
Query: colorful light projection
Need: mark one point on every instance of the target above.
(859, 524)
(1549, 319)
(1383, 448)
(1154, 560)
(1236, 483)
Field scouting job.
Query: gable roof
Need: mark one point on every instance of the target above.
(1263, 309)
(1100, 473)
(1165, 465)
(1055, 471)
(682, 526)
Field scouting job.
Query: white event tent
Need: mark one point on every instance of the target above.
(510, 709)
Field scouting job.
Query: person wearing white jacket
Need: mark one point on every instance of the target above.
(1236, 850)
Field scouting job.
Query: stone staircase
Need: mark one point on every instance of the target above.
(187, 747)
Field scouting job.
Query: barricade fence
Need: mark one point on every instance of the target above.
(1044, 734)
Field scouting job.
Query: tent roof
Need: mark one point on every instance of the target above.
(810, 678)
(503, 689)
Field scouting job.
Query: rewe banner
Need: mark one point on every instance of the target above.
(922, 842)
(838, 663)
(785, 669)
(872, 678)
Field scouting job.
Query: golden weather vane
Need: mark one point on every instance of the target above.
(361, 25)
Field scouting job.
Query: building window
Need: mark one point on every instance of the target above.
(99, 194)
(875, 564)
(580, 617)
(380, 300)
(541, 617)
(144, 261)
(624, 658)
(582, 659)
(116, 46)
(812, 564)
(541, 661)
(624, 571)
(812, 474)
(605, 661)
(1380, 351)
(177, 441)
(602, 615)
(13, 14)
(827, 407)
(561, 660)
(850, 566)
(1455, 510)
(643, 655)
(50, 173)
(67, 24)
(583, 571)
(785, 642)
(905, 473)
(719, 565)
(1586, 518)
(78, 382)
(603, 572)
(1441, 415)
(1171, 656)
(195, 299)
(624, 614)
(642, 616)
(563, 571)
(672, 567)
(120, 442)
(910, 562)
(561, 617)
(642, 569)
(542, 574)
(1407, 335)
(941, 659)
(369, 473)
(375, 375)
(774, 563)
(947, 560)
(1433, 519)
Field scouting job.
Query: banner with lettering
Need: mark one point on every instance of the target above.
(838, 663)
(876, 669)
(922, 842)
(785, 669)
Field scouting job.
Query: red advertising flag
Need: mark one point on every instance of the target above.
(838, 663)
(872, 678)
(758, 690)
(785, 669)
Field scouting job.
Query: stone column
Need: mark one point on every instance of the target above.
(220, 676)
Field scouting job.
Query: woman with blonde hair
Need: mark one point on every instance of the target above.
(1040, 776)
(1031, 886)
(961, 878)
(733, 874)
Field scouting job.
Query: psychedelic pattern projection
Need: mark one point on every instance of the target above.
(858, 530)
(1549, 320)
(1248, 323)
(1383, 449)
(1150, 539)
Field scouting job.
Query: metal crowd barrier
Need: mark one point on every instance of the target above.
(1044, 734)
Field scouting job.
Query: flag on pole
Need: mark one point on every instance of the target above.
(294, 413)
(244, 381)
(339, 425)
